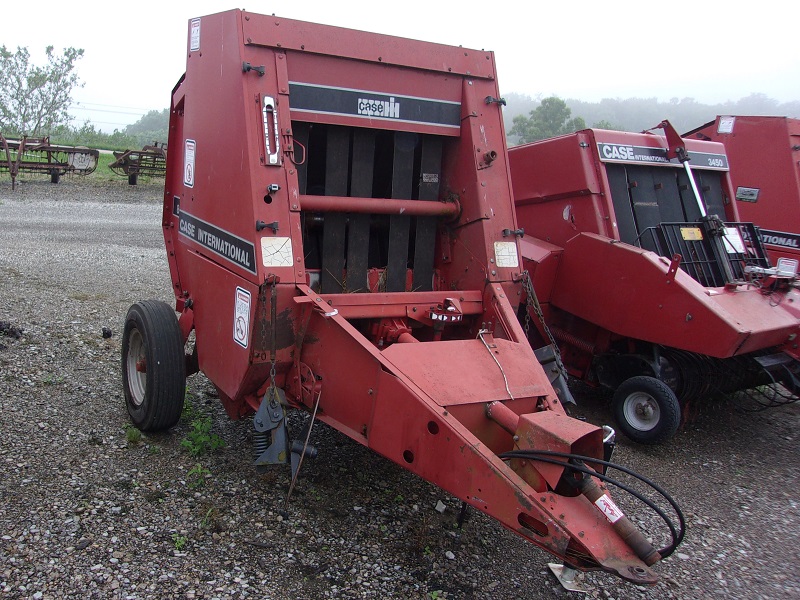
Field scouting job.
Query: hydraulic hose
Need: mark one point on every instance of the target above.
(575, 464)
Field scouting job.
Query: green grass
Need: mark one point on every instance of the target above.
(200, 440)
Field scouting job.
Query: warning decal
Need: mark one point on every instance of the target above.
(194, 36)
(188, 162)
(241, 318)
(505, 254)
(609, 509)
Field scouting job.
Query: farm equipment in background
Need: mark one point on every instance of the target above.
(643, 276)
(150, 161)
(38, 155)
(338, 247)
(764, 154)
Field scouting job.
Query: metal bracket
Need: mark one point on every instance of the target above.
(260, 225)
(516, 232)
(566, 577)
(271, 417)
(246, 67)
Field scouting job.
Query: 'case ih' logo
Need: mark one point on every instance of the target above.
(379, 108)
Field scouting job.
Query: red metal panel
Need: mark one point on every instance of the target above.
(643, 303)
(365, 47)
(440, 365)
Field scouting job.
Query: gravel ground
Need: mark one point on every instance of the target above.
(88, 511)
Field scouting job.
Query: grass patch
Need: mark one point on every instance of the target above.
(132, 435)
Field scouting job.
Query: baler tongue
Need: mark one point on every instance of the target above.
(475, 381)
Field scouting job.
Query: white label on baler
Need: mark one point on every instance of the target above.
(194, 36)
(188, 162)
(241, 317)
(726, 124)
(505, 254)
(277, 251)
(609, 509)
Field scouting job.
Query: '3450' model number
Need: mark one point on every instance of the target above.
(716, 162)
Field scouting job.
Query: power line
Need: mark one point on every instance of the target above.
(112, 106)
(118, 112)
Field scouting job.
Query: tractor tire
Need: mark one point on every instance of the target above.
(55, 176)
(153, 366)
(646, 410)
(133, 179)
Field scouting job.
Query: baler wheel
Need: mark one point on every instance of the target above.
(153, 366)
(646, 410)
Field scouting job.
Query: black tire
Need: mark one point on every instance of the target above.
(54, 176)
(646, 410)
(133, 178)
(153, 366)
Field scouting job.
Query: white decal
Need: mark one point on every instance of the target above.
(81, 160)
(609, 509)
(505, 254)
(194, 36)
(379, 108)
(188, 162)
(241, 318)
(733, 241)
(277, 251)
(726, 124)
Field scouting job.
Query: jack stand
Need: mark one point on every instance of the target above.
(270, 420)
(566, 577)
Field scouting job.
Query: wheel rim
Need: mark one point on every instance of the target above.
(641, 411)
(137, 376)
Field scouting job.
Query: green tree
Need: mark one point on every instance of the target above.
(152, 127)
(605, 124)
(549, 119)
(34, 99)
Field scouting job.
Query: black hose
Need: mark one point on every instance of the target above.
(541, 456)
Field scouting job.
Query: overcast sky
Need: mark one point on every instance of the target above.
(710, 51)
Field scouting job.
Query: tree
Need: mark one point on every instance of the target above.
(152, 127)
(34, 99)
(549, 119)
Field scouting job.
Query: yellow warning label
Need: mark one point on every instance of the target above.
(691, 233)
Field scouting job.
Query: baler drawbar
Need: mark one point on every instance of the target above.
(337, 211)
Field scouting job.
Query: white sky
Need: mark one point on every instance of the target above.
(710, 51)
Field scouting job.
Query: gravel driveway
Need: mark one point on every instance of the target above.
(89, 511)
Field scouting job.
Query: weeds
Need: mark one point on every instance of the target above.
(179, 541)
(196, 478)
(132, 435)
(200, 440)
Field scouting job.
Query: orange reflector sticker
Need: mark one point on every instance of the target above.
(691, 233)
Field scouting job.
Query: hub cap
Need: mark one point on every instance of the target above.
(137, 376)
(641, 411)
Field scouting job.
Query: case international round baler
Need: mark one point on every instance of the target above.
(645, 278)
(339, 229)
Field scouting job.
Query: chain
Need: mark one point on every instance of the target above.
(533, 303)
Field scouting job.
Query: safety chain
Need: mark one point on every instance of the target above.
(533, 303)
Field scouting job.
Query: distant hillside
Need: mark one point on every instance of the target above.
(637, 114)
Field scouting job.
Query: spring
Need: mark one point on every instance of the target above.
(261, 442)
